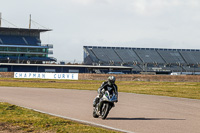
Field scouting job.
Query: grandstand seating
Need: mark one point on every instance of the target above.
(12, 40)
(27, 58)
(136, 68)
(128, 56)
(32, 40)
(101, 56)
(191, 57)
(90, 53)
(171, 57)
(19, 40)
(145, 59)
(188, 68)
(149, 56)
(111, 54)
(1, 42)
(42, 58)
(175, 68)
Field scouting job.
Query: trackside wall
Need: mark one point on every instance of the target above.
(139, 77)
(6, 74)
(129, 77)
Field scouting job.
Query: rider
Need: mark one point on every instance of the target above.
(107, 85)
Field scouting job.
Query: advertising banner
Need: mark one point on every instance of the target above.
(70, 76)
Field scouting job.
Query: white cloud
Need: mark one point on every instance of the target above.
(83, 2)
(158, 7)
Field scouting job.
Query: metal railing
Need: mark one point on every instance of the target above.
(48, 45)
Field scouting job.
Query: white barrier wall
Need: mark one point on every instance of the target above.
(71, 76)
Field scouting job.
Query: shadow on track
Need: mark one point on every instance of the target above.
(121, 118)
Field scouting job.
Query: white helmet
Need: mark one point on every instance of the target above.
(111, 80)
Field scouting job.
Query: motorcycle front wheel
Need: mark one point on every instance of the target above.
(105, 110)
(95, 113)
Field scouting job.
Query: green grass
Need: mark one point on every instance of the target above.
(21, 119)
(173, 89)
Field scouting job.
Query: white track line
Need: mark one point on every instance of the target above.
(77, 120)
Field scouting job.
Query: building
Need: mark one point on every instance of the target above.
(157, 60)
(15, 67)
(19, 45)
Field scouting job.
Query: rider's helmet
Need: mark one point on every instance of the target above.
(111, 80)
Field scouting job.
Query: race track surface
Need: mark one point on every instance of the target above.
(134, 112)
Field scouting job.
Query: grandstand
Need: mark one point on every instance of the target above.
(20, 45)
(144, 59)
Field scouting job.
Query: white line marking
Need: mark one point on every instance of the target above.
(77, 120)
(81, 121)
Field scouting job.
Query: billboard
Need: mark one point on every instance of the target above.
(70, 76)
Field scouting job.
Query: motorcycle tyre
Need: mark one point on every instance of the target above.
(95, 114)
(105, 111)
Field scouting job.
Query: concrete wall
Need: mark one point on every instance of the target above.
(6, 74)
(129, 77)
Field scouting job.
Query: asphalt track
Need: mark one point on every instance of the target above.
(134, 112)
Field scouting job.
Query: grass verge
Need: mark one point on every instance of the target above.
(173, 89)
(15, 119)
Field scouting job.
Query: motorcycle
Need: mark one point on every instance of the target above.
(105, 104)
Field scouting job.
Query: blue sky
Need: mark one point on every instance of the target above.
(121, 23)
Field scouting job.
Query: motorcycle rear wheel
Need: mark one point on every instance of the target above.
(105, 110)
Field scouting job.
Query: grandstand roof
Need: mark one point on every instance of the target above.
(25, 46)
(55, 65)
(136, 48)
(23, 29)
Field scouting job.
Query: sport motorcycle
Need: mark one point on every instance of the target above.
(105, 104)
